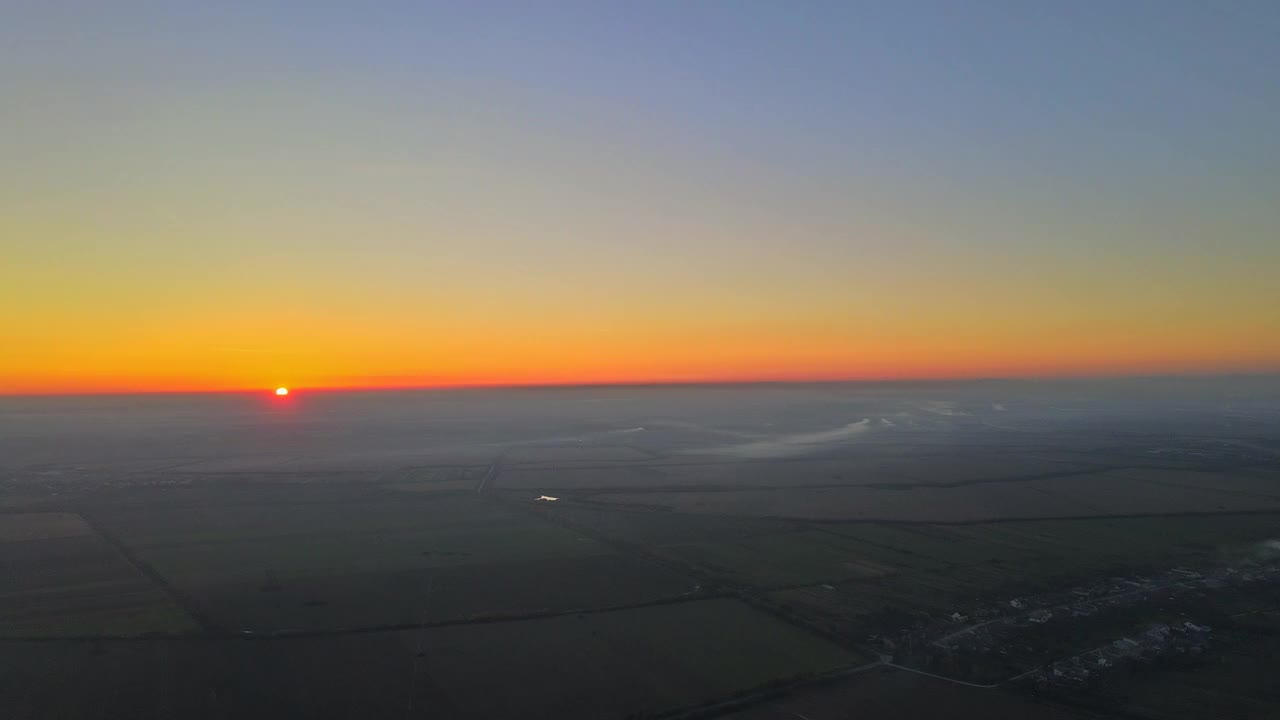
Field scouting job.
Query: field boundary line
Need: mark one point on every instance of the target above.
(765, 693)
(181, 599)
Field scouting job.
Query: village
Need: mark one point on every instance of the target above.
(1073, 638)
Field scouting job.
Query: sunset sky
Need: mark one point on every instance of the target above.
(205, 196)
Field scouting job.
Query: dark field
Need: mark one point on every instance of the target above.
(751, 552)
(892, 693)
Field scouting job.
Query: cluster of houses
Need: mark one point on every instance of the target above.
(1085, 601)
(1161, 640)
(999, 631)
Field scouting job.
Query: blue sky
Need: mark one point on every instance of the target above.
(867, 171)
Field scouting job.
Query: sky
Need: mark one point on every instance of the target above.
(240, 195)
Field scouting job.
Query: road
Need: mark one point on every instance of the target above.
(941, 642)
(490, 474)
(950, 680)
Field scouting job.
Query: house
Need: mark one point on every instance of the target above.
(1040, 616)
(957, 617)
(1125, 644)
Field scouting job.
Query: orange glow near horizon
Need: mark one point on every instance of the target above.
(600, 366)
(571, 206)
(336, 323)
(350, 343)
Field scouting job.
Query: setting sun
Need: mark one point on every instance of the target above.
(282, 391)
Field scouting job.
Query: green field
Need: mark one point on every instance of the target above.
(60, 579)
(888, 693)
(314, 566)
(447, 594)
(601, 665)
(943, 568)
(619, 663)
(1042, 552)
(462, 604)
(244, 542)
(787, 558)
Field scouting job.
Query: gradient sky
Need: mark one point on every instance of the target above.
(237, 195)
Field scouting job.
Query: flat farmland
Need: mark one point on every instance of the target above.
(1047, 553)
(248, 541)
(18, 527)
(1241, 684)
(1260, 483)
(568, 456)
(964, 504)
(1119, 492)
(787, 558)
(953, 560)
(618, 663)
(777, 472)
(61, 579)
(338, 601)
(649, 528)
(642, 474)
(892, 693)
(433, 479)
(329, 566)
(362, 675)
(876, 466)
(697, 473)
(601, 665)
(942, 568)
(547, 479)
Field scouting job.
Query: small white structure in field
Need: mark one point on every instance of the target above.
(547, 498)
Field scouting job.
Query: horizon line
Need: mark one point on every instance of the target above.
(763, 381)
